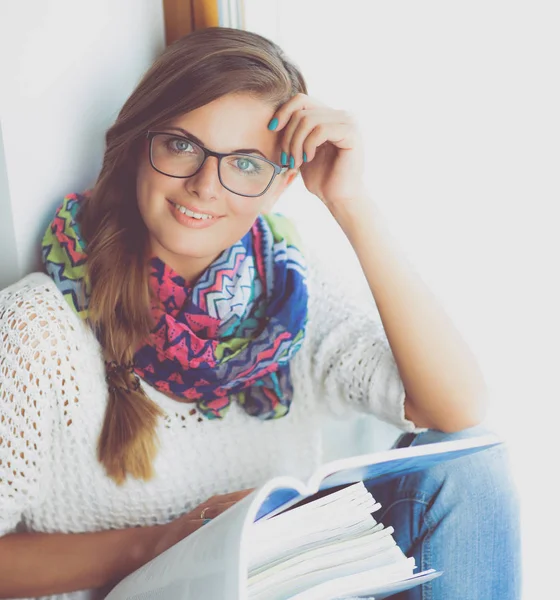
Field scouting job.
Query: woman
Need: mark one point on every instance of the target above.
(185, 343)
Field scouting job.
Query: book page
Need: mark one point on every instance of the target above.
(380, 592)
(209, 563)
(375, 584)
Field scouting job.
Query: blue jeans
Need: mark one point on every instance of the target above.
(460, 517)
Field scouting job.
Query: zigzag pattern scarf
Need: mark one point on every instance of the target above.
(230, 336)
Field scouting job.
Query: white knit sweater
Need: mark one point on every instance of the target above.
(53, 397)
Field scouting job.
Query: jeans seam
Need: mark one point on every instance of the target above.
(425, 548)
(427, 589)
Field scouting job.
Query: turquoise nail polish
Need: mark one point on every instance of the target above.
(283, 158)
(273, 124)
(304, 157)
(292, 162)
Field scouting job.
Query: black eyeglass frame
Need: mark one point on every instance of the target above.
(278, 169)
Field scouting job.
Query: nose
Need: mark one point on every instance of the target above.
(206, 183)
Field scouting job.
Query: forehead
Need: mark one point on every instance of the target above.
(232, 122)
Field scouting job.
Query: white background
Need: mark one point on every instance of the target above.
(66, 68)
(458, 104)
(459, 107)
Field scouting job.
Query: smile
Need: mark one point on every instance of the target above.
(193, 219)
(190, 213)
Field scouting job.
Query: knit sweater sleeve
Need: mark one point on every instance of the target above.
(27, 360)
(352, 363)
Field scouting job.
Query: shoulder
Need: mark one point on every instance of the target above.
(48, 353)
(35, 317)
(32, 281)
(34, 295)
(33, 372)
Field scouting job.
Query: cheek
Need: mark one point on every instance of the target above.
(242, 215)
(249, 208)
(151, 188)
(243, 208)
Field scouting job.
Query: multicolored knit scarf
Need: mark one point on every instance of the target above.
(228, 337)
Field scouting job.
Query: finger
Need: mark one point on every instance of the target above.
(306, 123)
(229, 497)
(337, 134)
(303, 121)
(295, 103)
(233, 496)
(211, 512)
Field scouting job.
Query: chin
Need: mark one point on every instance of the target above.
(191, 243)
(195, 252)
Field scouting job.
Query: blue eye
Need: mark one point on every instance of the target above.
(247, 166)
(244, 164)
(179, 145)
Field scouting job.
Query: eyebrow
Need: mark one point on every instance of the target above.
(193, 137)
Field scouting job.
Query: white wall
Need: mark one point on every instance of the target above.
(8, 249)
(66, 68)
(458, 104)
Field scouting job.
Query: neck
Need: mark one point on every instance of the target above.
(189, 268)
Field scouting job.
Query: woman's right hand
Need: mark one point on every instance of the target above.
(188, 523)
(30, 562)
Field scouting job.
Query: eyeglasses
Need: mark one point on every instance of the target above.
(243, 174)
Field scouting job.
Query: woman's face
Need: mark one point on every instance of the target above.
(230, 124)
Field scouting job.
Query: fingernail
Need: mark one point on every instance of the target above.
(304, 157)
(283, 158)
(292, 162)
(273, 124)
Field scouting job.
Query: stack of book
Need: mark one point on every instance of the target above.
(330, 547)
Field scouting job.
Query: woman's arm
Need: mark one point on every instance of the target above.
(42, 564)
(444, 386)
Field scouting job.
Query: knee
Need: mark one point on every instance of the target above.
(483, 478)
(480, 485)
(487, 472)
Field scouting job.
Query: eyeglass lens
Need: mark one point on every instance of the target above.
(240, 173)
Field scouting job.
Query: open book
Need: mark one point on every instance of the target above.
(314, 540)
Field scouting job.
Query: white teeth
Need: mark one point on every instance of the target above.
(192, 214)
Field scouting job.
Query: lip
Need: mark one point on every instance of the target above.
(195, 209)
(191, 222)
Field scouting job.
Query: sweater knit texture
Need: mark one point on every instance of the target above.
(53, 396)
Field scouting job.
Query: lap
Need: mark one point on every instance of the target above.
(470, 475)
(460, 516)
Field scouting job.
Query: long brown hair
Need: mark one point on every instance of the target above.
(193, 71)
